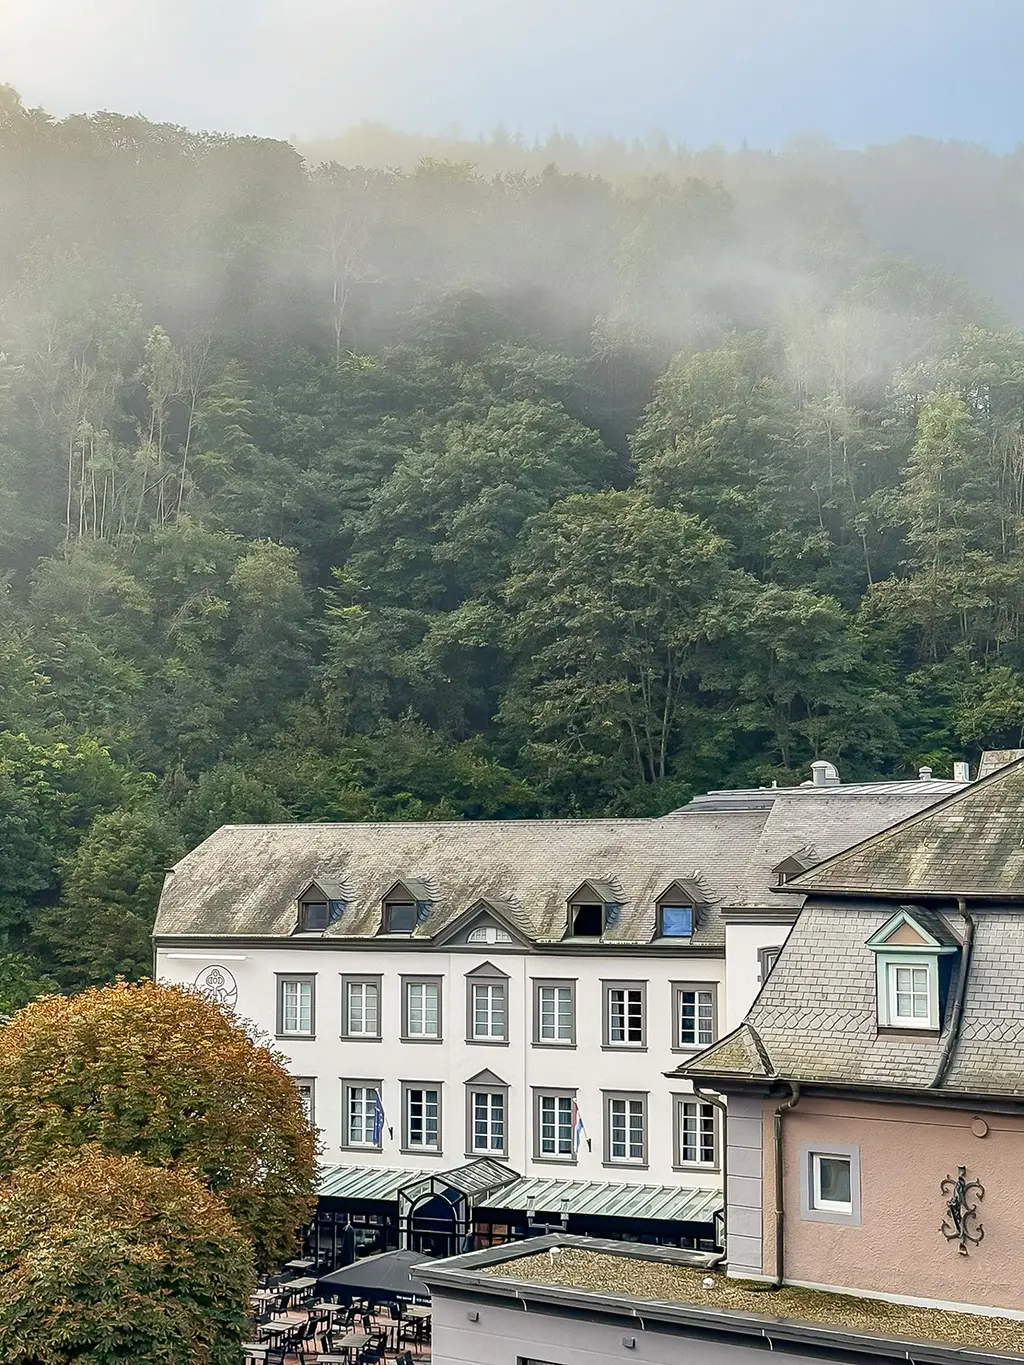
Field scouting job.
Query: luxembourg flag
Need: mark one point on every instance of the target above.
(578, 1129)
(378, 1118)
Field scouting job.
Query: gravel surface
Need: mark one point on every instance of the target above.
(610, 1274)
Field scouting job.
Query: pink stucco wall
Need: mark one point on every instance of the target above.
(905, 1153)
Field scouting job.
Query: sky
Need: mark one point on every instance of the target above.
(700, 71)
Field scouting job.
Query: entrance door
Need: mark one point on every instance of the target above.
(432, 1228)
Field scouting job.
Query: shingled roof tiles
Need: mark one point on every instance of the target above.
(971, 844)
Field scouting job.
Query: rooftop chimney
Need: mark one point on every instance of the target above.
(925, 774)
(961, 772)
(824, 774)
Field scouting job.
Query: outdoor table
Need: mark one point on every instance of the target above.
(417, 1310)
(276, 1327)
(254, 1350)
(303, 1282)
(350, 1342)
(303, 1264)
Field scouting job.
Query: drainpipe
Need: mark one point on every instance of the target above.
(780, 1225)
(707, 1098)
(956, 1016)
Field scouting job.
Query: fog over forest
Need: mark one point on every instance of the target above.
(405, 478)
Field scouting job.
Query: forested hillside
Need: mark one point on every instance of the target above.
(333, 493)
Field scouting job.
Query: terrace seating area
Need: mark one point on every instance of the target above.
(295, 1324)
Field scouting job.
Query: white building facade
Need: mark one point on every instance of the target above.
(510, 993)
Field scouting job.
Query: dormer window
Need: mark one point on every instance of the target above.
(593, 909)
(399, 917)
(313, 916)
(404, 905)
(677, 908)
(321, 904)
(587, 920)
(489, 933)
(914, 956)
(793, 866)
(675, 921)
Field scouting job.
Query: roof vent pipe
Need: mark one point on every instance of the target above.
(961, 772)
(824, 774)
(924, 774)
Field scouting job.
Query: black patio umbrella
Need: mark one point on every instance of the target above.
(391, 1275)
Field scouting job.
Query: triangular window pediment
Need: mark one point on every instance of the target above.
(487, 1079)
(902, 930)
(485, 926)
(597, 892)
(488, 969)
(683, 891)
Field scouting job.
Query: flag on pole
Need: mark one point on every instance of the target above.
(378, 1118)
(577, 1128)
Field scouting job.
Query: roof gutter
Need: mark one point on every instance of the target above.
(956, 1017)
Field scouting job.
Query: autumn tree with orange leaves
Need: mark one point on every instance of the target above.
(104, 1259)
(165, 1075)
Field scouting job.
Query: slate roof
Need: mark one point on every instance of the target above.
(831, 819)
(815, 1020)
(245, 879)
(971, 844)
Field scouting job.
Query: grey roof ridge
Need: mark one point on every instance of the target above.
(805, 882)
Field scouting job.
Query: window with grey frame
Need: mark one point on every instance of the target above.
(296, 1006)
(421, 1009)
(421, 1117)
(554, 1013)
(399, 917)
(696, 1132)
(625, 1128)
(360, 1006)
(487, 1120)
(553, 1125)
(486, 1007)
(696, 1014)
(360, 1129)
(306, 1086)
(625, 1009)
(766, 960)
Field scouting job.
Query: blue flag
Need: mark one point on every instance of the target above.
(378, 1118)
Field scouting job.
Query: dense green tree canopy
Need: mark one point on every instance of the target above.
(461, 491)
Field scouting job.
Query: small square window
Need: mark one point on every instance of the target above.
(832, 1178)
(830, 1184)
(314, 916)
(676, 921)
(399, 917)
(587, 921)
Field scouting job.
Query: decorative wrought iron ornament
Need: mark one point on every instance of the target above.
(961, 1221)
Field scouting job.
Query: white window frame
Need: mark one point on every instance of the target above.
(424, 1088)
(705, 1011)
(491, 1121)
(632, 1105)
(631, 1011)
(700, 1118)
(425, 985)
(488, 1011)
(304, 987)
(886, 965)
(306, 1086)
(367, 1111)
(561, 993)
(812, 1207)
(558, 1099)
(351, 985)
(818, 1200)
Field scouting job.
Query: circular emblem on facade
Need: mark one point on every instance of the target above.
(219, 985)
